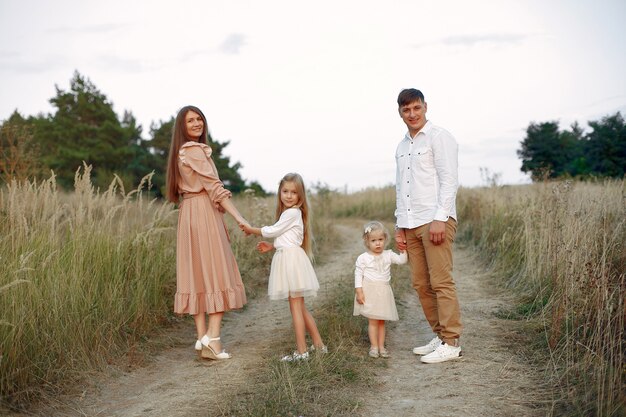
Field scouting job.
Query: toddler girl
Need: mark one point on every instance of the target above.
(374, 297)
(292, 276)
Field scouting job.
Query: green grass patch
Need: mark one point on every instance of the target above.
(323, 385)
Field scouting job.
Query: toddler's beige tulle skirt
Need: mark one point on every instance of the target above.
(379, 302)
(292, 275)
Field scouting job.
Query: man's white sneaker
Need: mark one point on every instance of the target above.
(428, 348)
(443, 353)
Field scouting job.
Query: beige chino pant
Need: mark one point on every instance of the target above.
(431, 268)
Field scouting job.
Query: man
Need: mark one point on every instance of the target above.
(426, 186)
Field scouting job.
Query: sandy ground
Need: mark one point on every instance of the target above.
(489, 381)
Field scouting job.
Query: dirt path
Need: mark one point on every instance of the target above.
(488, 382)
(175, 384)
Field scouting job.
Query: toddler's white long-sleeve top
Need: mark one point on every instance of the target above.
(376, 267)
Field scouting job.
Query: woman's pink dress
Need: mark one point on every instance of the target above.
(207, 276)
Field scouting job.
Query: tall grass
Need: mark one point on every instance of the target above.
(372, 203)
(84, 277)
(253, 267)
(561, 245)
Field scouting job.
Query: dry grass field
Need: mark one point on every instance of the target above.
(561, 246)
(86, 280)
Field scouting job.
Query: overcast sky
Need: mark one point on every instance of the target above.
(312, 86)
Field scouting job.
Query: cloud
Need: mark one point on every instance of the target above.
(18, 63)
(233, 44)
(114, 62)
(7, 55)
(473, 40)
(91, 29)
(501, 146)
(493, 38)
(196, 53)
(604, 100)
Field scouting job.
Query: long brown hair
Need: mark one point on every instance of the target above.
(179, 137)
(303, 205)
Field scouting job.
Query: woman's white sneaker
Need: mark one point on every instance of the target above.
(443, 353)
(428, 348)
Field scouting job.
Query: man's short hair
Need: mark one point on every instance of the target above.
(409, 95)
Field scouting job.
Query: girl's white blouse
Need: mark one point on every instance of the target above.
(288, 230)
(376, 267)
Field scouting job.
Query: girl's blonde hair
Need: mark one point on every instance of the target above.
(374, 226)
(302, 204)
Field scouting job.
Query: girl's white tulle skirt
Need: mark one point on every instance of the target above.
(292, 275)
(379, 302)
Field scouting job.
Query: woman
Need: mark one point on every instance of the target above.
(207, 276)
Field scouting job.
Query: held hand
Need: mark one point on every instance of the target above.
(437, 232)
(401, 239)
(264, 246)
(245, 227)
(360, 297)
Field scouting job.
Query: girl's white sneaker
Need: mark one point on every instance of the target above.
(323, 349)
(295, 357)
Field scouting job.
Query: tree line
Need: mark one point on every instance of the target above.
(84, 128)
(549, 152)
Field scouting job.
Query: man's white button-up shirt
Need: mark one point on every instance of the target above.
(426, 177)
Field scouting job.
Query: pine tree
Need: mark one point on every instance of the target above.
(85, 128)
(606, 146)
(546, 151)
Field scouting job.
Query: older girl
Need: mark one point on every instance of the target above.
(292, 276)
